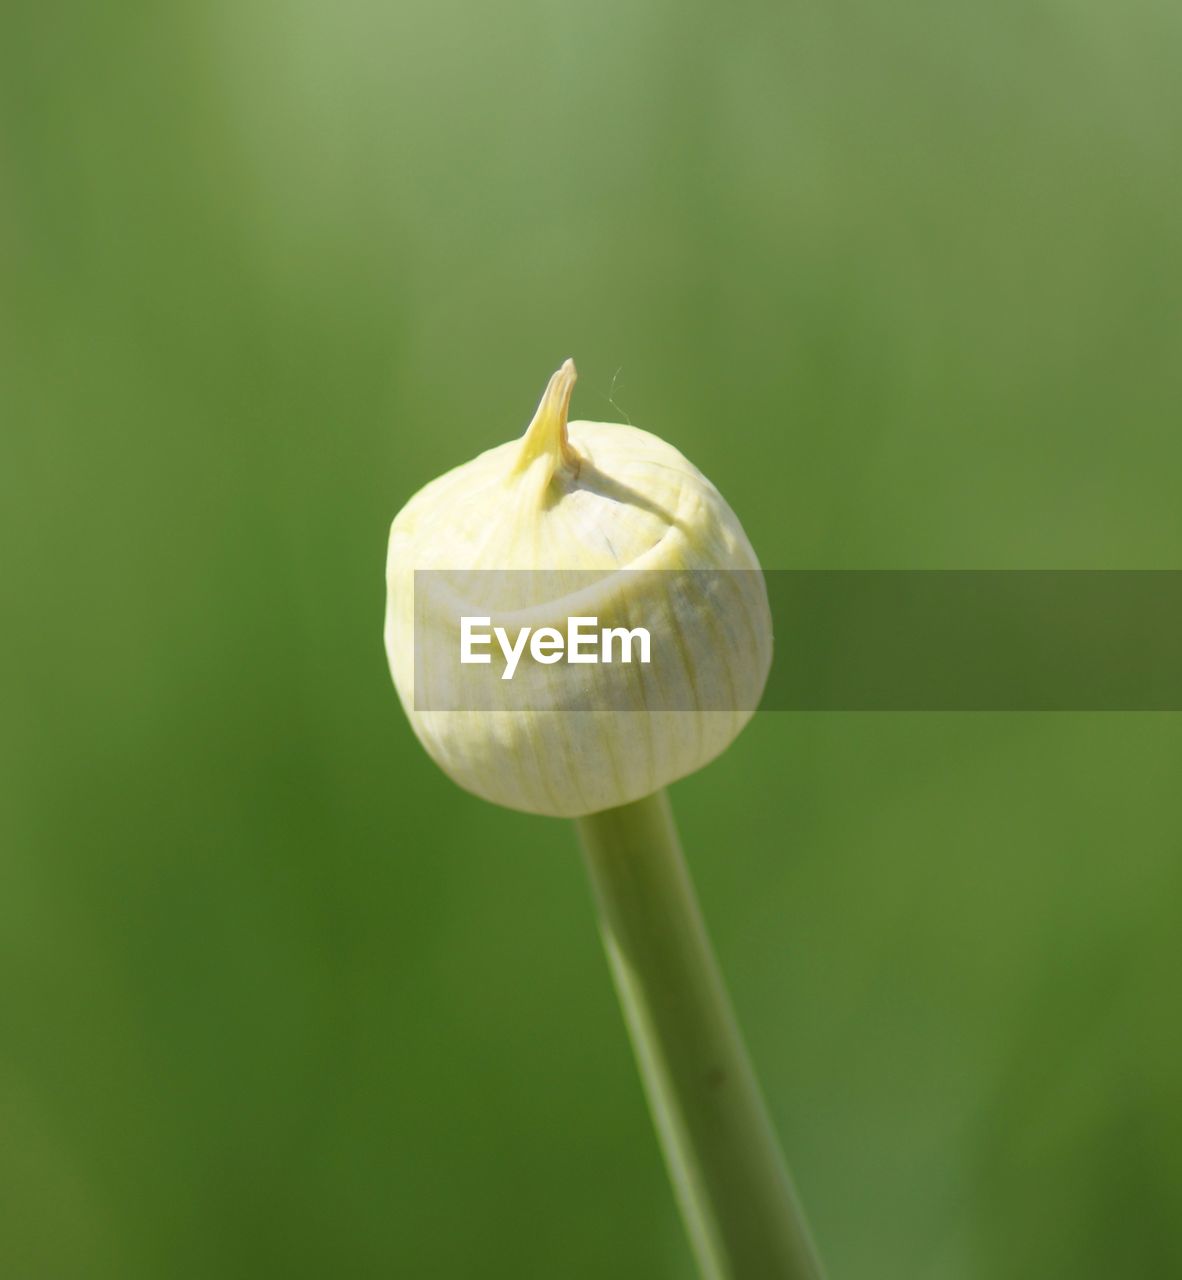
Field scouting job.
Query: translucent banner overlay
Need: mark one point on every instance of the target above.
(947, 640)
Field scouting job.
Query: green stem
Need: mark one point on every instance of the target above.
(732, 1185)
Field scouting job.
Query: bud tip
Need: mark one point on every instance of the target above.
(546, 434)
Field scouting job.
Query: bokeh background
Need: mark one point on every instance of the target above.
(276, 999)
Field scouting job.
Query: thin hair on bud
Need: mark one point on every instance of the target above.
(611, 396)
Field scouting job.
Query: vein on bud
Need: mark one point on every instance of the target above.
(546, 436)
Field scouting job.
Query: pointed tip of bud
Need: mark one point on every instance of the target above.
(546, 437)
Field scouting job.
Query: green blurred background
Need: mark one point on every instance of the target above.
(275, 998)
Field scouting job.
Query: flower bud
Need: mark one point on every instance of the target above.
(587, 520)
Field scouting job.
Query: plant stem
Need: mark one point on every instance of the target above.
(731, 1182)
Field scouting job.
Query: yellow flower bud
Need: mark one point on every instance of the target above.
(592, 519)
